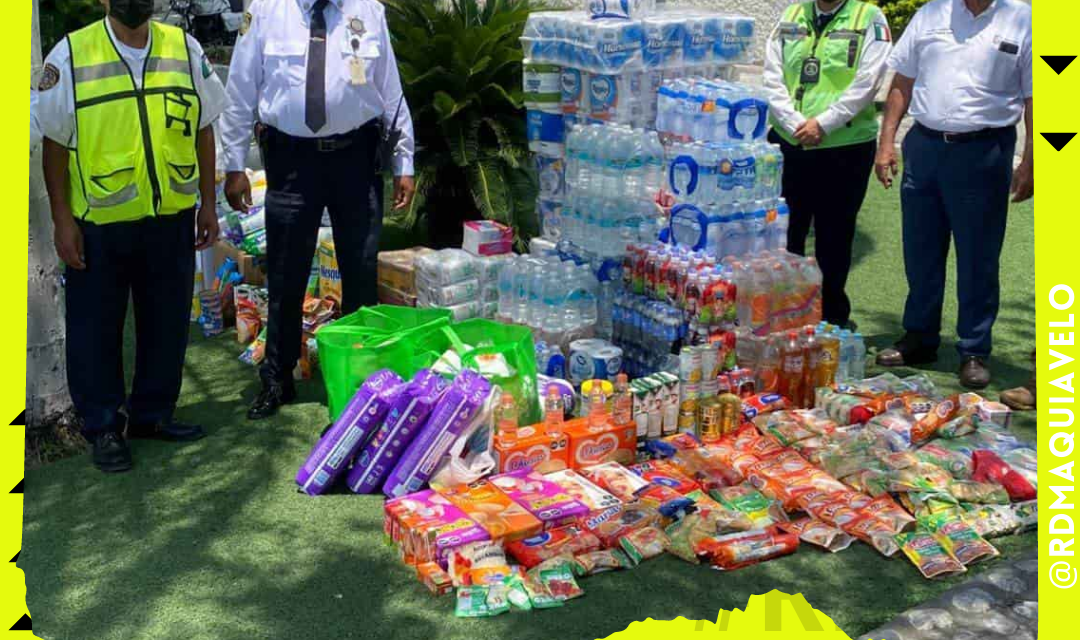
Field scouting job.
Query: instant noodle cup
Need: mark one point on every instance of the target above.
(643, 544)
(541, 497)
(493, 510)
(927, 554)
(550, 544)
(818, 533)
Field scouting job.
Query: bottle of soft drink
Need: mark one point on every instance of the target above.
(506, 425)
(791, 369)
(830, 357)
(598, 414)
(624, 402)
(769, 365)
(811, 357)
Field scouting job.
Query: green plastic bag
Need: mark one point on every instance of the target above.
(476, 339)
(373, 338)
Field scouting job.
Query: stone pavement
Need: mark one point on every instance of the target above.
(1000, 604)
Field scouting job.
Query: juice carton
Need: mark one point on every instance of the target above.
(493, 510)
(668, 401)
(592, 496)
(533, 448)
(541, 497)
(590, 445)
(426, 527)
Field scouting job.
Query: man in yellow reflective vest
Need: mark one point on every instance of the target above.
(126, 105)
(823, 66)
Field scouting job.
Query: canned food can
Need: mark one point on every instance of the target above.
(690, 365)
(710, 361)
(710, 426)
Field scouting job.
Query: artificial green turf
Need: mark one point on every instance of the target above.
(212, 541)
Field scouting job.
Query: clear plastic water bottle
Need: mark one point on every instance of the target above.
(506, 290)
(847, 356)
(857, 368)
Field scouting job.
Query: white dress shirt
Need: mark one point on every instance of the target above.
(859, 94)
(268, 76)
(56, 104)
(971, 72)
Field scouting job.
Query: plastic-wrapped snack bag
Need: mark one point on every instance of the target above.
(478, 563)
(663, 473)
(617, 479)
(474, 602)
(927, 554)
(978, 492)
(992, 520)
(539, 596)
(956, 463)
(959, 539)
(643, 544)
(593, 562)
(818, 533)
(683, 537)
(549, 544)
(557, 578)
(879, 534)
(989, 467)
(885, 509)
(611, 524)
(738, 550)
(928, 425)
(582, 490)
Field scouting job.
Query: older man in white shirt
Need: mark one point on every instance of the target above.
(963, 72)
(320, 79)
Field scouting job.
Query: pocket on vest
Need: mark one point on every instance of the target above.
(183, 173)
(114, 183)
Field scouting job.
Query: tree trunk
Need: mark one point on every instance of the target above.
(46, 385)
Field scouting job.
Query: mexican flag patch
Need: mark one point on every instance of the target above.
(882, 33)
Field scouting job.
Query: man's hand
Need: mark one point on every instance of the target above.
(1023, 181)
(404, 188)
(206, 227)
(885, 164)
(238, 190)
(809, 134)
(68, 238)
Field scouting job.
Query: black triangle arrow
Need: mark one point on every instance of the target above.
(1058, 140)
(1058, 63)
(20, 420)
(24, 624)
(16, 558)
(18, 488)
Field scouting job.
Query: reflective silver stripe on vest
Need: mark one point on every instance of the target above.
(189, 188)
(123, 196)
(100, 71)
(168, 65)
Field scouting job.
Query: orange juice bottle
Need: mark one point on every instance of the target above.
(811, 358)
(624, 402)
(791, 369)
(506, 425)
(598, 415)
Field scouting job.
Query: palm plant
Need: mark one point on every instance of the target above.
(460, 63)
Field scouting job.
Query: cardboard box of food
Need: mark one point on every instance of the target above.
(329, 274)
(390, 295)
(251, 267)
(396, 269)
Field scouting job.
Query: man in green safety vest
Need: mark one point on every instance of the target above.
(126, 107)
(824, 63)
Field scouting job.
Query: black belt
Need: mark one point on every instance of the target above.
(325, 144)
(959, 138)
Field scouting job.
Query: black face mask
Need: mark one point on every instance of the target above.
(131, 13)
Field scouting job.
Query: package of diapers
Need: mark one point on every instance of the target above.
(336, 448)
(454, 411)
(403, 422)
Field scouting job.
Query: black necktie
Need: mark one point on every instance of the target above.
(315, 99)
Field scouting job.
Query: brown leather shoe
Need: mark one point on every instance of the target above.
(974, 372)
(1020, 398)
(904, 353)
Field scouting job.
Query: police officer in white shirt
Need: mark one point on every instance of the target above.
(963, 72)
(319, 82)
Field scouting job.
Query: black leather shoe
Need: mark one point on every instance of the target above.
(166, 431)
(270, 399)
(974, 372)
(110, 453)
(906, 353)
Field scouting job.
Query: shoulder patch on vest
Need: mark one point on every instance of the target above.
(50, 77)
(882, 32)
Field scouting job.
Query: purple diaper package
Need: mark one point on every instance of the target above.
(405, 419)
(336, 448)
(454, 411)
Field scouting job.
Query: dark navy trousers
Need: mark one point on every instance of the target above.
(152, 263)
(955, 191)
